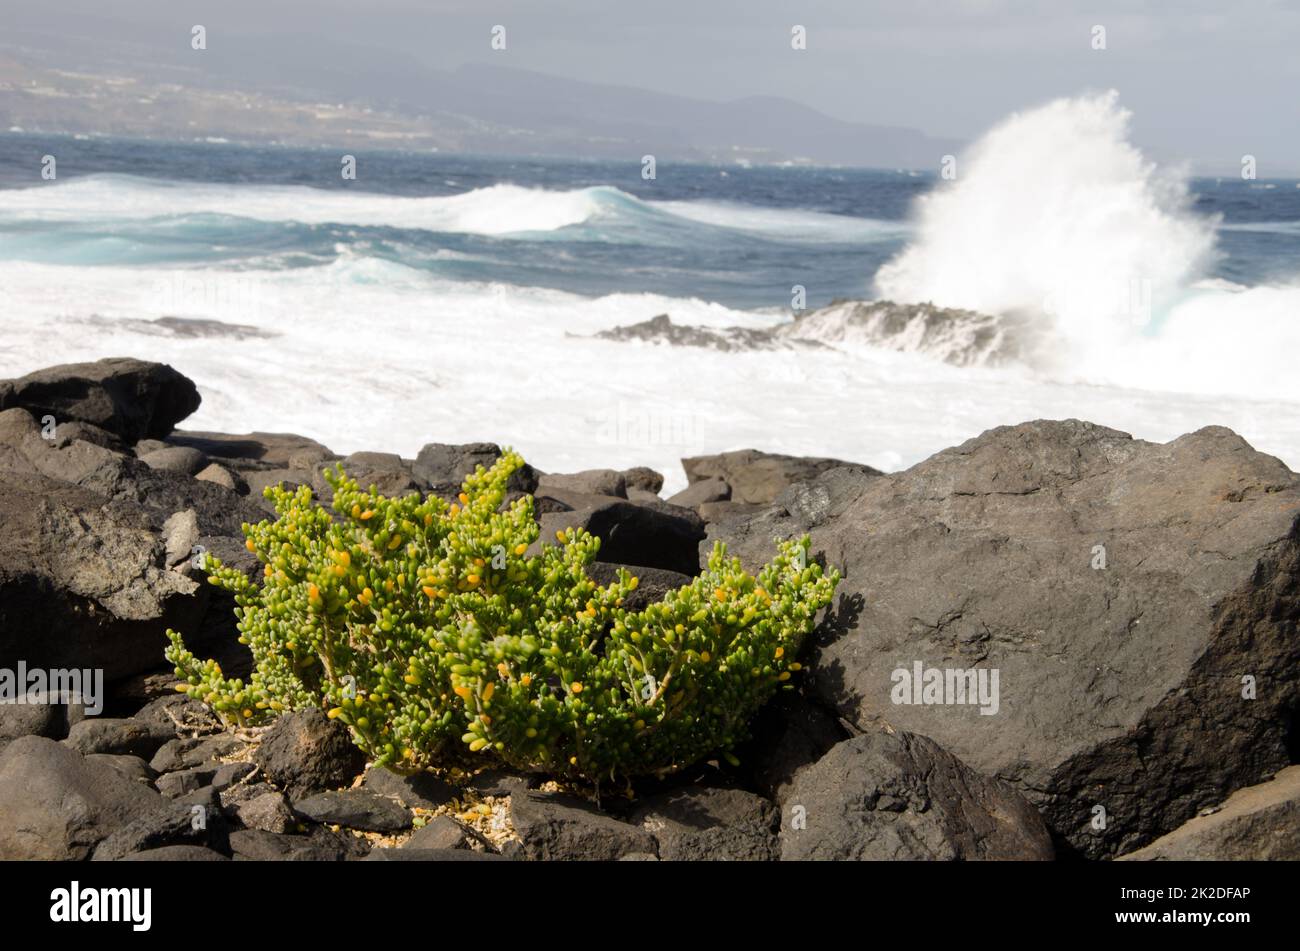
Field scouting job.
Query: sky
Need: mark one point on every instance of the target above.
(1204, 84)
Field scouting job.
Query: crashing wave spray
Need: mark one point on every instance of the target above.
(1055, 214)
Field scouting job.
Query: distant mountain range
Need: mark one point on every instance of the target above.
(476, 108)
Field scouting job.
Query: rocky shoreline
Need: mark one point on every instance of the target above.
(1052, 641)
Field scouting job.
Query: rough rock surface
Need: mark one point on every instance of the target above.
(695, 823)
(355, 809)
(130, 398)
(85, 584)
(589, 482)
(759, 477)
(57, 805)
(176, 459)
(1120, 687)
(884, 796)
(305, 752)
(421, 790)
(702, 492)
(1257, 823)
(443, 467)
(555, 826)
(176, 853)
(441, 832)
(268, 811)
(789, 734)
(648, 535)
(643, 479)
(32, 719)
(267, 450)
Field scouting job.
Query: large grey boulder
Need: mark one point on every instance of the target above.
(885, 796)
(755, 476)
(131, 399)
(84, 584)
(1138, 602)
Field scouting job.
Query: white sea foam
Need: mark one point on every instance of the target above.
(1055, 215)
(372, 354)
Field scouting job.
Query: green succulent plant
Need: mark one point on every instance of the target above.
(421, 623)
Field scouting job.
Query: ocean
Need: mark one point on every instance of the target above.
(452, 298)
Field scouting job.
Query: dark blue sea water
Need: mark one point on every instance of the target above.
(738, 236)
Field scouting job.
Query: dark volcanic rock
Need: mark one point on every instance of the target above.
(174, 824)
(176, 459)
(444, 467)
(107, 735)
(652, 583)
(789, 734)
(256, 845)
(643, 479)
(661, 329)
(759, 477)
(356, 809)
(84, 584)
(719, 511)
(1123, 687)
(421, 790)
(57, 805)
(272, 450)
(705, 824)
(1258, 823)
(186, 752)
(387, 472)
(76, 431)
(321, 845)
(499, 782)
(176, 853)
(555, 826)
(305, 752)
(430, 855)
(652, 536)
(131, 767)
(441, 832)
(698, 493)
(184, 781)
(129, 398)
(160, 493)
(32, 719)
(588, 482)
(884, 796)
(174, 714)
(218, 474)
(269, 812)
